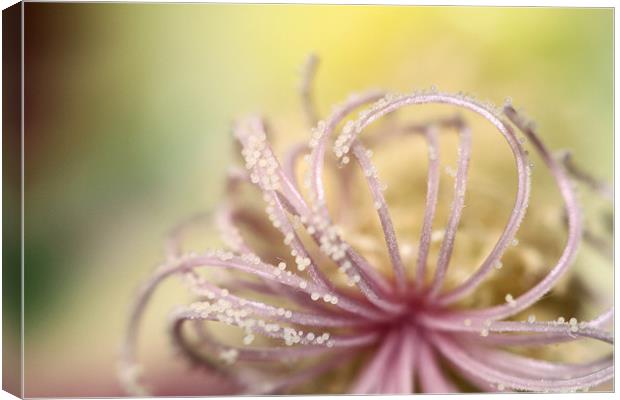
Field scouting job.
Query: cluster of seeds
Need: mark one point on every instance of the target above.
(292, 336)
(317, 134)
(279, 271)
(329, 244)
(572, 323)
(259, 158)
(225, 311)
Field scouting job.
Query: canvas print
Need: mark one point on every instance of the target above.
(234, 199)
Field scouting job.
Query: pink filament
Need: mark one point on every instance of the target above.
(409, 336)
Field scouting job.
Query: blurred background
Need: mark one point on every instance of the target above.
(128, 109)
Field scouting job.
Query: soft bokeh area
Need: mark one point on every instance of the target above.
(128, 112)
